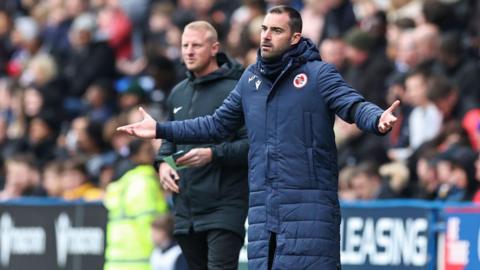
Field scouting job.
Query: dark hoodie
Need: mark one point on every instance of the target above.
(214, 196)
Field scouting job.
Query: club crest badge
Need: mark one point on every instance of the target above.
(257, 84)
(300, 80)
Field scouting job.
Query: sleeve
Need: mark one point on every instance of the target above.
(234, 153)
(341, 98)
(167, 148)
(226, 120)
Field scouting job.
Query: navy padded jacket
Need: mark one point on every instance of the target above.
(293, 174)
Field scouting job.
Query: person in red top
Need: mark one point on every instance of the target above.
(115, 24)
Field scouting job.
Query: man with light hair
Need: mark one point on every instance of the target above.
(210, 196)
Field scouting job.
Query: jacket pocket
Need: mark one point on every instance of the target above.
(308, 129)
(312, 176)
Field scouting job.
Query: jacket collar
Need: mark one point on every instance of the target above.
(227, 69)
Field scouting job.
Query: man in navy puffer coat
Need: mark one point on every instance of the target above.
(288, 101)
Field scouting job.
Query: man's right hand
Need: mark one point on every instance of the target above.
(168, 177)
(145, 129)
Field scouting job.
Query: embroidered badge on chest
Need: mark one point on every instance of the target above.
(300, 80)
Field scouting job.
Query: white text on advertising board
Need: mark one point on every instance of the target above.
(19, 240)
(76, 241)
(384, 241)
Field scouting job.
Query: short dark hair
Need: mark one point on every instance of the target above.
(164, 222)
(439, 87)
(422, 70)
(451, 45)
(295, 22)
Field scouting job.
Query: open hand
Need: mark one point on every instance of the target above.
(145, 129)
(387, 119)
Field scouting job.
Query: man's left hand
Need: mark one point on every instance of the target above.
(196, 157)
(388, 120)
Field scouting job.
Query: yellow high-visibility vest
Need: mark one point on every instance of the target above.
(133, 202)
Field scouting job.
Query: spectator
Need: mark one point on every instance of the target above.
(242, 24)
(427, 43)
(5, 45)
(314, 12)
(456, 172)
(251, 37)
(22, 178)
(92, 145)
(87, 61)
(52, 179)
(476, 198)
(339, 19)
(98, 104)
(115, 25)
(446, 98)
(460, 68)
(394, 32)
(428, 182)
(471, 124)
(375, 25)
(57, 24)
(424, 110)
(25, 39)
(345, 190)
(131, 95)
(159, 31)
(6, 100)
(167, 254)
(133, 201)
(76, 184)
(406, 53)
(333, 52)
(4, 139)
(42, 135)
(367, 184)
(137, 12)
(367, 70)
(41, 74)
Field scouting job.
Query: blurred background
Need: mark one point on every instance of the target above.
(71, 71)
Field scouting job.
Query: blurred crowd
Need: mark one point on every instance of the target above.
(71, 71)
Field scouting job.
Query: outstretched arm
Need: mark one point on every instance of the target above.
(351, 106)
(212, 128)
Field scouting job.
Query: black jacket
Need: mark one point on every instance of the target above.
(82, 67)
(214, 196)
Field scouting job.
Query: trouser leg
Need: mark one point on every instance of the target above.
(272, 246)
(223, 249)
(195, 249)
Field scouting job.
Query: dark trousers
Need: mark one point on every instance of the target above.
(272, 247)
(211, 250)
